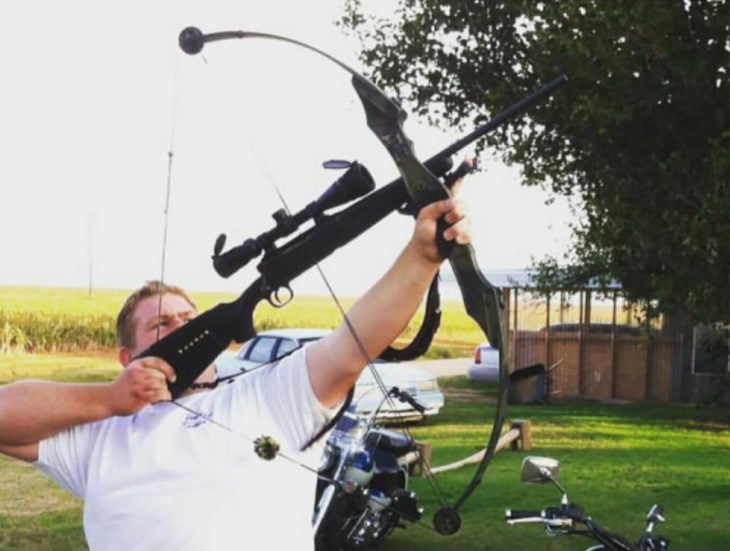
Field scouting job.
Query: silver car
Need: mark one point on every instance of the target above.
(486, 364)
(267, 346)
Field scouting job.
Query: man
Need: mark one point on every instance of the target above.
(155, 474)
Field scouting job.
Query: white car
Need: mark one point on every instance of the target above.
(486, 364)
(267, 346)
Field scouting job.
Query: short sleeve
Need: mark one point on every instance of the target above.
(291, 401)
(65, 457)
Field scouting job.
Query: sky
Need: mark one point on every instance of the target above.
(97, 98)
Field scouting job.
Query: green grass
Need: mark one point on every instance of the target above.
(616, 461)
(34, 513)
(79, 367)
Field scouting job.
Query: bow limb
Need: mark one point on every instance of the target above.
(484, 304)
(482, 301)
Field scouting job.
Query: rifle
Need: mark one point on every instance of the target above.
(193, 347)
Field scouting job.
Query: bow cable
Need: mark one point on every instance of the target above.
(388, 398)
(168, 185)
(361, 347)
(166, 215)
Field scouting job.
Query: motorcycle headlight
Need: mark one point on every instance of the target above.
(362, 460)
(328, 457)
(360, 468)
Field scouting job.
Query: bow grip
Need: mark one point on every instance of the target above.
(465, 167)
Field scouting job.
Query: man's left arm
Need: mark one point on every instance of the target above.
(382, 313)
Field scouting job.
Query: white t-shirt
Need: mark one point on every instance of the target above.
(166, 478)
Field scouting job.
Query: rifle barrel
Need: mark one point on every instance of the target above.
(494, 122)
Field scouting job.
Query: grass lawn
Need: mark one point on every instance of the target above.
(616, 461)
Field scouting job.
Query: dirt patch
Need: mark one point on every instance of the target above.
(707, 426)
(466, 395)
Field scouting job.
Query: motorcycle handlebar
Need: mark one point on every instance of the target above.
(551, 519)
(404, 396)
(519, 514)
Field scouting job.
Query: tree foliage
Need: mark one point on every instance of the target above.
(639, 134)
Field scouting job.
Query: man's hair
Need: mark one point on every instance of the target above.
(125, 319)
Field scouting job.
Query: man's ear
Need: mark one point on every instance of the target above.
(125, 356)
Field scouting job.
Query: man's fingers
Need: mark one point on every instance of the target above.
(152, 387)
(436, 210)
(452, 211)
(159, 395)
(148, 380)
(161, 366)
(460, 231)
(455, 213)
(459, 228)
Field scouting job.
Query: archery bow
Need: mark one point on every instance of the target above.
(190, 349)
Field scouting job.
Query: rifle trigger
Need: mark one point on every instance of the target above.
(277, 299)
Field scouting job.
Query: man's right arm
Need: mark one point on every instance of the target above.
(33, 410)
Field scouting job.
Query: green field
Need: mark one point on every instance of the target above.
(617, 459)
(38, 319)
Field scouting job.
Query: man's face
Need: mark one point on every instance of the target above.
(154, 318)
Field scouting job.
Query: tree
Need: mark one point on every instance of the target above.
(639, 134)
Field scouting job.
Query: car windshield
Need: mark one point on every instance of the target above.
(287, 345)
(261, 349)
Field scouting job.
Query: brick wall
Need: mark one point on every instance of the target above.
(600, 366)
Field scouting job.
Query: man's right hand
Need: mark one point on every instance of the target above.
(33, 410)
(142, 382)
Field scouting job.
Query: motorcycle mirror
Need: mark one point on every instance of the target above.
(539, 470)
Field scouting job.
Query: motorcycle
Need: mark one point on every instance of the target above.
(362, 494)
(563, 520)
